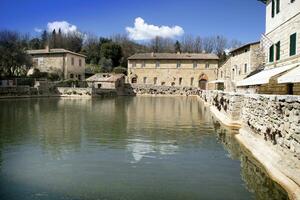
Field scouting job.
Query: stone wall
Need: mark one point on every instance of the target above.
(17, 91)
(74, 91)
(163, 90)
(274, 117)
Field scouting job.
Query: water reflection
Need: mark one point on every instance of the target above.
(252, 172)
(129, 148)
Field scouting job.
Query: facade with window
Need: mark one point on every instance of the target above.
(283, 31)
(173, 69)
(242, 61)
(67, 64)
(281, 43)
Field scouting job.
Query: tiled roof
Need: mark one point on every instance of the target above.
(243, 46)
(105, 77)
(174, 56)
(52, 51)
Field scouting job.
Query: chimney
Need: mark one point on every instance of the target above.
(152, 54)
(47, 48)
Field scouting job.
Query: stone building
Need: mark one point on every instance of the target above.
(106, 81)
(173, 69)
(282, 49)
(241, 63)
(67, 64)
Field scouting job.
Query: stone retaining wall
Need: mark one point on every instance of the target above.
(275, 117)
(74, 91)
(164, 90)
(17, 91)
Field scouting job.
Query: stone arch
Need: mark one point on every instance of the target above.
(202, 81)
(134, 79)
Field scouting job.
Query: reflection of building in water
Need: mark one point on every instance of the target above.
(147, 149)
(252, 172)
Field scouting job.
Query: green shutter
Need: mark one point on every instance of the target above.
(277, 6)
(293, 39)
(271, 54)
(278, 50)
(273, 8)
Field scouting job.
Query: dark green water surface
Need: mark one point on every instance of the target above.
(127, 148)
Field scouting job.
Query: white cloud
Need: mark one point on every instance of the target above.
(144, 31)
(64, 26)
(39, 30)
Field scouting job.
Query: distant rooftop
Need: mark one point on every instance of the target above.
(52, 51)
(105, 77)
(245, 45)
(174, 56)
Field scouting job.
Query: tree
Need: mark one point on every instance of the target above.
(177, 46)
(220, 45)
(14, 61)
(35, 43)
(112, 51)
(208, 44)
(53, 39)
(44, 39)
(106, 64)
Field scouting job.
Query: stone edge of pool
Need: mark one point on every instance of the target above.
(263, 152)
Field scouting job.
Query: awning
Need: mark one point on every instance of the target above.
(264, 76)
(292, 76)
(217, 81)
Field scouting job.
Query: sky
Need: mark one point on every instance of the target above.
(142, 20)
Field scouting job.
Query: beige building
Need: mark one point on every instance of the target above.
(173, 69)
(67, 64)
(106, 81)
(281, 43)
(241, 63)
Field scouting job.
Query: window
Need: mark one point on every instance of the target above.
(246, 68)
(79, 62)
(221, 74)
(163, 83)
(192, 81)
(180, 81)
(133, 64)
(155, 80)
(293, 39)
(246, 50)
(143, 64)
(277, 6)
(273, 8)
(145, 80)
(72, 61)
(206, 65)
(271, 53)
(195, 64)
(178, 64)
(71, 75)
(157, 64)
(79, 77)
(278, 50)
(292, 1)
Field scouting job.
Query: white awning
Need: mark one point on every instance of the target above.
(217, 81)
(292, 76)
(264, 76)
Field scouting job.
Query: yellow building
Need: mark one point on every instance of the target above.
(173, 69)
(67, 64)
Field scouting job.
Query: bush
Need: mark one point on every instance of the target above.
(53, 77)
(120, 70)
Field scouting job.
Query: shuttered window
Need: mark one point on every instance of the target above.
(273, 8)
(277, 6)
(271, 54)
(278, 50)
(293, 39)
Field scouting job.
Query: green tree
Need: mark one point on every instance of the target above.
(35, 43)
(177, 46)
(112, 51)
(14, 61)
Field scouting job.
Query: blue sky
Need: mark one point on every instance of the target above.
(236, 19)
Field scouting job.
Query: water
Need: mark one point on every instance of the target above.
(131, 148)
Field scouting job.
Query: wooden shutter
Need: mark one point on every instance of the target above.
(271, 54)
(293, 39)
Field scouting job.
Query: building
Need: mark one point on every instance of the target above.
(241, 63)
(281, 44)
(173, 69)
(106, 81)
(67, 64)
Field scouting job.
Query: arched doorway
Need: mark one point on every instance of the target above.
(202, 83)
(134, 79)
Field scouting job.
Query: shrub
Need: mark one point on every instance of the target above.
(120, 70)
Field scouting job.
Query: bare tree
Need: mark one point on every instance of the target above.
(208, 44)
